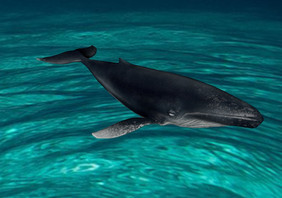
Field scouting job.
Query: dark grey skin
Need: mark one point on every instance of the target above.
(162, 97)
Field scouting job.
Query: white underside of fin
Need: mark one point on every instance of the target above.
(122, 128)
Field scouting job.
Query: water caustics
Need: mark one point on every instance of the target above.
(47, 111)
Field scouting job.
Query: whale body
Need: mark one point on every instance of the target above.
(161, 97)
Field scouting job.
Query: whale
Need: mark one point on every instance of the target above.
(161, 97)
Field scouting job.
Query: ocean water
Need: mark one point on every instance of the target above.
(47, 112)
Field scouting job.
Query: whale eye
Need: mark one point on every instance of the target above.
(171, 113)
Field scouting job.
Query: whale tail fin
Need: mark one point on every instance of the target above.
(71, 56)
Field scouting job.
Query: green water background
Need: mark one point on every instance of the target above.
(47, 112)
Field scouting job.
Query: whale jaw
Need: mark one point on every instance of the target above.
(205, 120)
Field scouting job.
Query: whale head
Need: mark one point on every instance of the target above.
(214, 109)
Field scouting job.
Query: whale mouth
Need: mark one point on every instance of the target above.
(250, 121)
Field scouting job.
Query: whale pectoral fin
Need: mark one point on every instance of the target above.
(122, 128)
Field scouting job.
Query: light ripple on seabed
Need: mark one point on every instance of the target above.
(48, 112)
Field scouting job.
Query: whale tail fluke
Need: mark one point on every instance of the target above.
(71, 56)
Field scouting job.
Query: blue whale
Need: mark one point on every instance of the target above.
(161, 97)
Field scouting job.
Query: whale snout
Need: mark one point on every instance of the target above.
(248, 117)
(232, 111)
(252, 120)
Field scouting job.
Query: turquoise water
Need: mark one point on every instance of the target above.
(47, 112)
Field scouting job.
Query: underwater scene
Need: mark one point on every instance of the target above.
(48, 111)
